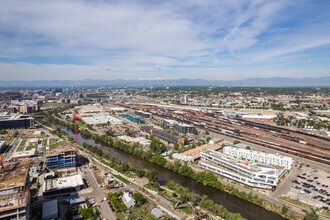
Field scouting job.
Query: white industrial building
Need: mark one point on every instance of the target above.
(2, 145)
(186, 158)
(258, 117)
(101, 118)
(251, 174)
(259, 157)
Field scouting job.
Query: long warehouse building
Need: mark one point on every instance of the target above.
(163, 135)
(251, 174)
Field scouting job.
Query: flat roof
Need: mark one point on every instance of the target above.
(63, 182)
(14, 175)
(49, 209)
(195, 152)
(20, 154)
(101, 118)
(253, 167)
(58, 150)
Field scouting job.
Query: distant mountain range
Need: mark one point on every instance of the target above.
(251, 82)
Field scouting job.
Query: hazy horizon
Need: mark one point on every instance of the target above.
(213, 40)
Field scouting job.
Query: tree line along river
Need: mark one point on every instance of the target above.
(232, 203)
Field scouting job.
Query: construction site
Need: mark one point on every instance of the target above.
(14, 193)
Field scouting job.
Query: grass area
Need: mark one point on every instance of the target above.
(81, 123)
(187, 210)
(303, 205)
(52, 141)
(53, 105)
(122, 179)
(142, 212)
(296, 203)
(101, 125)
(148, 186)
(22, 145)
(31, 147)
(44, 141)
(55, 145)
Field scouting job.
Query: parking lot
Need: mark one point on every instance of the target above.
(311, 186)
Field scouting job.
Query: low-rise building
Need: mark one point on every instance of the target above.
(163, 135)
(248, 173)
(194, 154)
(50, 210)
(63, 185)
(180, 127)
(140, 140)
(143, 114)
(128, 199)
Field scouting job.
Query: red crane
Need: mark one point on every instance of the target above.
(1, 163)
(76, 117)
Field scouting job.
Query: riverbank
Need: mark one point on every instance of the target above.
(204, 178)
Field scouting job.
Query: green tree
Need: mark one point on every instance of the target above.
(171, 184)
(207, 132)
(152, 176)
(140, 200)
(312, 215)
(236, 142)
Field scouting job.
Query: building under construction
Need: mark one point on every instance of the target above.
(14, 193)
(60, 157)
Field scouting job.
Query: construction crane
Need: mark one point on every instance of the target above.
(1, 163)
(76, 117)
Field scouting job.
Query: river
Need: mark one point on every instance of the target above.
(232, 203)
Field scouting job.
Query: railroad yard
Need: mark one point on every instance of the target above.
(288, 141)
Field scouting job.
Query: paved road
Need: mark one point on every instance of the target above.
(99, 195)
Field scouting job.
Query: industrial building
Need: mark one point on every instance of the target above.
(251, 174)
(130, 140)
(163, 135)
(131, 118)
(259, 157)
(63, 185)
(194, 154)
(143, 114)
(16, 121)
(180, 127)
(259, 117)
(100, 118)
(60, 157)
(14, 190)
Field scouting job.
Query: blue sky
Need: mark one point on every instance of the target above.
(209, 39)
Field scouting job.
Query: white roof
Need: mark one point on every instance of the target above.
(259, 116)
(101, 119)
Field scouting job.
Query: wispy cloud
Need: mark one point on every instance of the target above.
(158, 39)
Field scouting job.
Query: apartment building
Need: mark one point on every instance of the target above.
(251, 174)
(259, 157)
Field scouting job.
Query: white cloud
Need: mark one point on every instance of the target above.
(120, 39)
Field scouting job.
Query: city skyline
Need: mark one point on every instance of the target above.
(220, 40)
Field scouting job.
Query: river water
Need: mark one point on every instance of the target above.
(232, 203)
